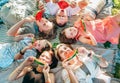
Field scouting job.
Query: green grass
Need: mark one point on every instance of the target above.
(117, 71)
(116, 7)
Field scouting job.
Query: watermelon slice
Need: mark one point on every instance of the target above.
(39, 62)
(71, 55)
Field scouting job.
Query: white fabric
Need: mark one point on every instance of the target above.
(15, 10)
(53, 8)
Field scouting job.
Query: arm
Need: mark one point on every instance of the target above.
(47, 75)
(22, 69)
(69, 72)
(72, 76)
(88, 38)
(21, 53)
(14, 29)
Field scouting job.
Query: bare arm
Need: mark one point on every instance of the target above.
(88, 39)
(47, 75)
(22, 69)
(20, 54)
(69, 71)
(72, 76)
(14, 29)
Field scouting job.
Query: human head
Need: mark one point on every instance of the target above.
(67, 35)
(46, 28)
(61, 17)
(42, 45)
(49, 58)
(62, 50)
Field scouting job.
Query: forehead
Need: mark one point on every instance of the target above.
(46, 53)
(41, 41)
(61, 47)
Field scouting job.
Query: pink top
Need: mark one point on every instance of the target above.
(103, 30)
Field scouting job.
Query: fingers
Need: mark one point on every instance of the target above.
(46, 68)
(73, 4)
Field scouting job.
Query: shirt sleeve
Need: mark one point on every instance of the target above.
(52, 8)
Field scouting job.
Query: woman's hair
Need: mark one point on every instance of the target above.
(64, 39)
(54, 59)
(57, 48)
(50, 35)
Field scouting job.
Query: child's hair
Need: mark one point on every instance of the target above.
(50, 35)
(47, 47)
(64, 39)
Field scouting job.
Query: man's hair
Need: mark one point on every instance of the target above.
(64, 39)
(50, 35)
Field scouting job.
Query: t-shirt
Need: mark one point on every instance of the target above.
(104, 30)
(9, 50)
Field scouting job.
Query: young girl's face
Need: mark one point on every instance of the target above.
(61, 17)
(46, 57)
(39, 44)
(44, 25)
(71, 32)
(63, 50)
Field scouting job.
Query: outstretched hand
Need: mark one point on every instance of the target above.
(28, 61)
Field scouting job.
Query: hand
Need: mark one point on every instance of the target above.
(28, 61)
(46, 69)
(66, 65)
(29, 19)
(27, 69)
(73, 4)
(40, 5)
(30, 46)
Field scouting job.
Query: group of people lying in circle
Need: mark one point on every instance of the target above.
(64, 64)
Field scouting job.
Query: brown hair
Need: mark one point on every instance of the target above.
(50, 35)
(57, 48)
(64, 39)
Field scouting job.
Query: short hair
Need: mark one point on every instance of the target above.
(64, 39)
(50, 35)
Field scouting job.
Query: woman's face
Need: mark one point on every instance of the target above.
(63, 50)
(71, 32)
(44, 25)
(46, 57)
(39, 44)
(61, 17)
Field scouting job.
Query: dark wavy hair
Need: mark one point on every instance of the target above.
(64, 39)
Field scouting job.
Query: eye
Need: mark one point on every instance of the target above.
(42, 55)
